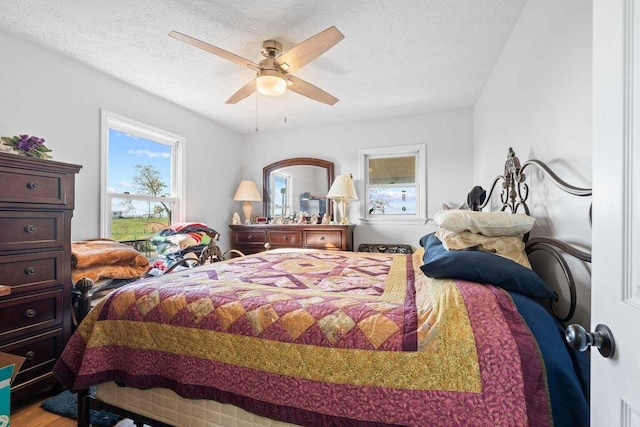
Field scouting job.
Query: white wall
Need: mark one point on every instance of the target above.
(538, 101)
(50, 96)
(447, 134)
(56, 98)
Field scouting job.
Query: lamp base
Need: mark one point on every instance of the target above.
(247, 209)
(343, 208)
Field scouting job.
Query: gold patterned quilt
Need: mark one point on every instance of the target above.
(319, 338)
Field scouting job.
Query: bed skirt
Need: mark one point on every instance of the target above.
(166, 406)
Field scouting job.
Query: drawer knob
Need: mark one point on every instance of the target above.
(30, 228)
(250, 237)
(30, 313)
(285, 238)
(30, 355)
(321, 237)
(30, 271)
(32, 185)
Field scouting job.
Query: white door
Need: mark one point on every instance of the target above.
(615, 383)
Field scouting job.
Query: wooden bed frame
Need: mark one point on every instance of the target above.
(514, 194)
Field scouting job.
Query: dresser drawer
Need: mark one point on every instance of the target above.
(30, 272)
(258, 237)
(27, 186)
(323, 239)
(28, 314)
(252, 238)
(41, 352)
(28, 230)
(249, 242)
(291, 239)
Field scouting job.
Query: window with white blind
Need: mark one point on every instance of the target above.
(394, 180)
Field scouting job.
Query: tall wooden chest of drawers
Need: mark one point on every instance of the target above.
(36, 206)
(250, 239)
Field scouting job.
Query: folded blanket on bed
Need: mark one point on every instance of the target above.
(105, 258)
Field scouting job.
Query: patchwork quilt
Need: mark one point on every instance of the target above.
(320, 338)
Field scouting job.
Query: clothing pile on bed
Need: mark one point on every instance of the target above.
(178, 241)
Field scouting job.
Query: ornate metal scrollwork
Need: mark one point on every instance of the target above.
(556, 248)
(515, 190)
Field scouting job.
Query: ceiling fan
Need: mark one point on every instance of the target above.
(273, 72)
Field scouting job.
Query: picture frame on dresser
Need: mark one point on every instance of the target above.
(36, 207)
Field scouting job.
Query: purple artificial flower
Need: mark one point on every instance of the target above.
(28, 143)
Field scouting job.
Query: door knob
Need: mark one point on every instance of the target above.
(579, 339)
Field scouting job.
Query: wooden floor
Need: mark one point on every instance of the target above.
(31, 414)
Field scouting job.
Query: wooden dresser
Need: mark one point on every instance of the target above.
(251, 239)
(36, 206)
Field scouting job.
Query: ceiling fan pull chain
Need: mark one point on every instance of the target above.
(256, 111)
(286, 98)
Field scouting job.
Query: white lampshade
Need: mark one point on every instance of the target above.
(343, 188)
(271, 82)
(247, 192)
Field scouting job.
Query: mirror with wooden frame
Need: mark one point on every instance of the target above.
(297, 185)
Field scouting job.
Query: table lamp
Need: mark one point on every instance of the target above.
(342, 190)
(247, 192)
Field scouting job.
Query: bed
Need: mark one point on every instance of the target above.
(443, 336)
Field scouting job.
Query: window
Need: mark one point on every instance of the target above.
(280, 187)
(394, 183)
(141, 179)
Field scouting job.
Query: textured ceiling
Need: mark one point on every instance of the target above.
(398, 57)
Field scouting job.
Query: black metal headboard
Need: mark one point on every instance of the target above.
(514, 195)
(515, 190)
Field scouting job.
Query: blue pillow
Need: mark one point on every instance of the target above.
(481, 267)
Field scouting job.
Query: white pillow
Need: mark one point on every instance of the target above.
(490, 224)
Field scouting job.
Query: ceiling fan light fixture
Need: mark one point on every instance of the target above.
(271, 82)
(274, 71)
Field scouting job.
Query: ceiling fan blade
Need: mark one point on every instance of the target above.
(244, 91)
(310, 49)
(215, 50)
(310, 91)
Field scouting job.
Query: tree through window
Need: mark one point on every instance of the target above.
(141, 179)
